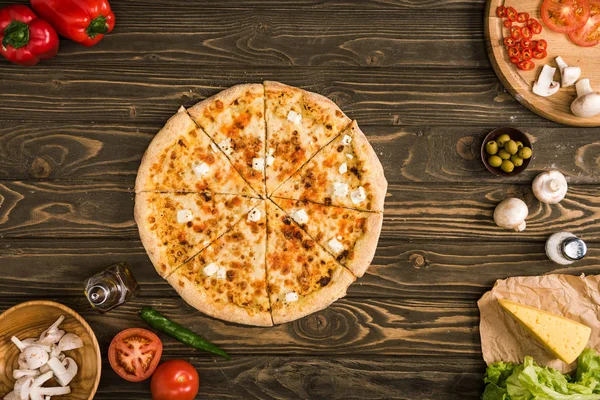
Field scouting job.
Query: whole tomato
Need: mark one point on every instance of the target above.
(175, 380)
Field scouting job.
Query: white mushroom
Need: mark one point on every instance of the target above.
(22, 346)
(65, 371)
(53, 334)
(70, 342)
(545, 85)
(35, 356)
(23, 386)
(587, 103)
(19, 373)
(11, 396)
(550, 187)
(53, 391)
(511, 214)
(568, 74)
(22, 361)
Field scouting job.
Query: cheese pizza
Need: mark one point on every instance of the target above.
(261, 204)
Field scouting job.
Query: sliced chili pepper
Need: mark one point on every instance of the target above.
(535, 26)
(509, 42)
(541, 45)
(513, 52)
(515, 33)
(522, 17)
(514, 60)
(526, 33)
(526, 43)
(501, 11)
(526, 54)
(507, 23)
(511, 14)
(539, 55)
(526, 65)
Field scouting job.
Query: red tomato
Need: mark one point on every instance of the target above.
(134, 354)
(522, 17)
(507, 23)
(526, 54)
(526, 33)
(526, 44)
(539, 55)
(509, 42)
(511, 14)
(565, 15)
(175, 380)
(589, 35)
(541, 45)
(515, 33)
(501, 11)
(526, 65)
(513, 52)
(535, 26)
(514, 60)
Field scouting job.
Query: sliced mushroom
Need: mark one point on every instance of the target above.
(54, 391)
(70, 341)
(53, 334)
(11, 396)
(65, 371)
(23, 386)
(22, 361)
(568, 74)
(19, 373)
(35, 356)
(545, 85)
(22, 346)
(587, 103)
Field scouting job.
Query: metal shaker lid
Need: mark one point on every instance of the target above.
(573, 248)
(98, 294)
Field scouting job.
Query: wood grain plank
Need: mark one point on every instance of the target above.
(112, 152)
(413, 211)
(416, 269)
(410, 96)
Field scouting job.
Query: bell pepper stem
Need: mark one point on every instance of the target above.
(98, 26)
(16, 35)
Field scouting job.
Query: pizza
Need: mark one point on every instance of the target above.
(260, 205)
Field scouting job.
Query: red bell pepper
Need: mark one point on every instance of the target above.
(26, 39)
(83, 21)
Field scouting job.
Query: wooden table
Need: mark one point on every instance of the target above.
(414, 73)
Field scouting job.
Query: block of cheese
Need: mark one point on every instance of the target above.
(562, 337)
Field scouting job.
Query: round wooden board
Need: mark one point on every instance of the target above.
(557, 107)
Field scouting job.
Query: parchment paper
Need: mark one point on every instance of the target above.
(574, 297)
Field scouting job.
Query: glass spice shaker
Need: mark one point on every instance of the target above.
(565, 248)
(111, 287)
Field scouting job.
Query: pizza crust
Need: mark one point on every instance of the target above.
(317, 300)
(226, 96)
(227, 312)
(366, 246)
(151, 243)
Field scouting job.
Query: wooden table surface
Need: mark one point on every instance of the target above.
(414, 73)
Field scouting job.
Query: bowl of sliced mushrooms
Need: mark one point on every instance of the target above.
(47, 351)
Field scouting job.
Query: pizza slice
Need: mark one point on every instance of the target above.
(345, 173)
(176, 226)
(351, 236)
(235, 120)
(182, 158)
(302, 277)
(299, 123)
(227, 279)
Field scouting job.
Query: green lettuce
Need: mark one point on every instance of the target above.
(529, 381)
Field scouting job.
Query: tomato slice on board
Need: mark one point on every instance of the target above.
(515, 33)
(539, 55)
(522, 17)
(501, 11)
(526, 65)
(589, 35)
(512, 14)
(509, 42)
(565, 15)
(526, 54)
(134, 354)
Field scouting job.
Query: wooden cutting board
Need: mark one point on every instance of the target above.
(519, 83)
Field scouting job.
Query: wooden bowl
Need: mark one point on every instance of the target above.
(515, 135)
(30, 319)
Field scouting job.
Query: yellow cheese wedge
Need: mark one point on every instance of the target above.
(562, 337)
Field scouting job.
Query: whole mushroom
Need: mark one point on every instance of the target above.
(511, 214)
(550, 187)
(587, 103)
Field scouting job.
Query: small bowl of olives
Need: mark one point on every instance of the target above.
(506, 151)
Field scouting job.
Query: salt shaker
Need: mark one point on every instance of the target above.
(565, 248)
(111, 287)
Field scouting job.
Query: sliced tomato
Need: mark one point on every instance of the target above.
(515, 33)
(535, 26)
(507, 23)
(589, 34)
(134, 354)
(522, 17)
(526, 54)
(512, 14)
(513, 52)
(539, 55)
(509, 42)
(514, 60)
(501, 11)
(526, 33)
(565, 15)
(541, 45)
(526, 65)
(526, 44)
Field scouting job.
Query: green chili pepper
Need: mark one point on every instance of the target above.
(185, 336)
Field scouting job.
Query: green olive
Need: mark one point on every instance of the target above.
(525, 153)
(518, 161)
(503, 154)
(491, 147)
(507, 166)
(519, 144)
(511, 147)
(494, 161)
(502, 139)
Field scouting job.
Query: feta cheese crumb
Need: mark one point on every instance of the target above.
(270, 160)
(201, 169)
(184, 216)
(210, 269)
(346, 140)
(254, 215)
(335, 246)
(271, 151)
(349, 156)
(226, 146)
(343, 168)
(358, 195)
(214, 147)
(340, 189)
(300, 216)
(221, 273)
(291, 297)
(294, 117)
(258, 164)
